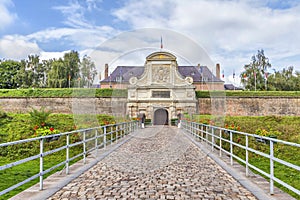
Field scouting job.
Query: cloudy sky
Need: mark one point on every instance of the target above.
(229, 32)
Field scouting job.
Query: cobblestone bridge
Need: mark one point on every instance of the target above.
(155, 163)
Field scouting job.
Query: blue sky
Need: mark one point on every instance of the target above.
(229, 31)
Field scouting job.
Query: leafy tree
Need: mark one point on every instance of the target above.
(88, 71)
(8, 72)
(57, 74)
(22, 76)
(285, 80)
(72, 63)
(254, 76)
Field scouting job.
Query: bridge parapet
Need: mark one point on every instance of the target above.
(245, 147)
(77, 144)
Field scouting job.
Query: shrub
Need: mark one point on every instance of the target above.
(39, 117)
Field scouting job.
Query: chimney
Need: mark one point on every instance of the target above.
(200, 69)
(218, 70)
(106, 71)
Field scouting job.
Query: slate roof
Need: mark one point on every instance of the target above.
(126, 72)
(231, 87)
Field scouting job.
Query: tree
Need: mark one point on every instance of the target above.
(56, 77)
(24, 76)
(72, 63)
(255, 75)
(87, 71)
(8, 72)
(285, 80)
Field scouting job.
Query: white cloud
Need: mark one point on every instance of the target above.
(17, 47)
(51, 55)
(6, 17)
(231, 31)
(75, 12)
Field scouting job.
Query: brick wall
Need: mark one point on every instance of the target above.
(235, 106)
(114, 106)
(250, 106)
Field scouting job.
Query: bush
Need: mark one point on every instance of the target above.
(39, 118)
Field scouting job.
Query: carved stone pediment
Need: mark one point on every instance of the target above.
(161, 56)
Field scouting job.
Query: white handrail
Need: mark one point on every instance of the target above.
(203, 132)
(121, 130)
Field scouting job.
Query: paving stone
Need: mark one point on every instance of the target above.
(159, 163)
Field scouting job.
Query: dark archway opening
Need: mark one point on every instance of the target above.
(161, 117)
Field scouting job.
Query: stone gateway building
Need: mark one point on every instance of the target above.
(161, 89)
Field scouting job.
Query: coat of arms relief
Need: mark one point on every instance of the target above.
(161, 74)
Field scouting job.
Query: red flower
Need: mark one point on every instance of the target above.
(226, 126)
(232, 125)
(35, 127)
(51, 129)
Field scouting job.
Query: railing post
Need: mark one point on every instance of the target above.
(192, 128)
(96, 142)
(202, 132)
(271, 167)
(231, 149)
(206, 135)
(247, 155)
(212, 138)
(197, 131)
(104, 136)
(122, 129)
(84, 147)
(117, 130)
(41, 162)
(67, 153)
(220, 137)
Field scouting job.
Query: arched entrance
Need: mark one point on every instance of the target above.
(161, 117)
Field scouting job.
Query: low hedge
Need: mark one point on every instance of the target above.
(63, 92)
(97, 92)
(208, 94)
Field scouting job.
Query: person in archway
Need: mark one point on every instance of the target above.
(179, 116)
(142, 118)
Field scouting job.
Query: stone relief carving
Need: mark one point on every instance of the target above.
(161, 74)
(189, 80)
(189, 94)
(133, 80)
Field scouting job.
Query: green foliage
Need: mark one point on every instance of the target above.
(207, 94)
(285, 80)
(63, 92)
(253, 78)
(39, 117)
(88, 71)
(267, 133)
(105, 119)
(8, 72)
(45, 130)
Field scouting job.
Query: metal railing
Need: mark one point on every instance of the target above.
(226, 140)
(91, 139)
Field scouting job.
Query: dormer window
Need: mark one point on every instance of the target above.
(119, 79)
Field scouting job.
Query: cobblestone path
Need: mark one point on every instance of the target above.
(157, 163)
